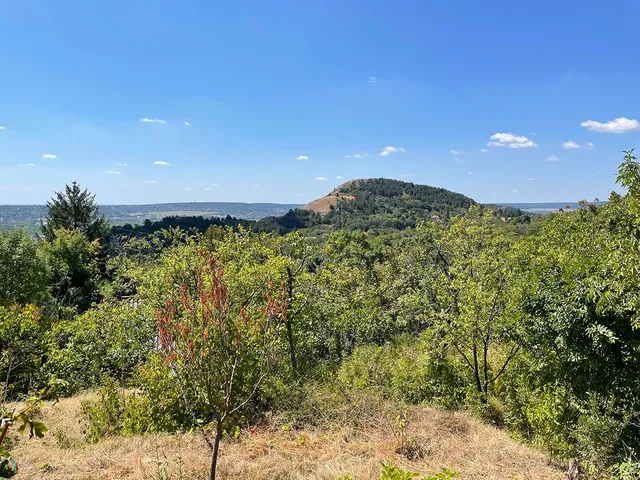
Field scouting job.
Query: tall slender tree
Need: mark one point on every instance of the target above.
(74, 209)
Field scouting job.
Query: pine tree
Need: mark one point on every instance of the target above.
(74, 209)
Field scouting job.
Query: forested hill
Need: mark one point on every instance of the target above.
(381, 203)
(376, 204)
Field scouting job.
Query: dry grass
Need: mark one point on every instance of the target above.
(268, 452)
(323, 205)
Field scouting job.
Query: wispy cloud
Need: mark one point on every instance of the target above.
(510, 140)
(407, 175)
(150, 182)
(372, 80)
(469, 173)
(514, 190)
(339, 177)
(112, 172)
(302, 157)
(457, 159)
(122, 165)
(299, 194)
(533, 133)
(1, 128)
(207, 189)
(187, 123)
(552, 158)
(484, 150)
(357, 155)
(531, 179)
(618, 125)
(570, 145)
(256, 184)
(161, 163)
(49, 156)
(188, 189)
(386, 151)
(214, 184)
(151, 120)
(455, 152)
(589, 145)
(321, 178)
(27, 164)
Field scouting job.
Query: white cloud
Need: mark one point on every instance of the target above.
(214, 184)
(552, 158)
(49, 156)
(207, 189)
(570, 145)
(484, 150)
(1, 128)
(150, 182)
(121, 165)
(339, 177)
(302, 157)
(372, 80)
(510, 140)
(514, 190)
(457, 159)
(386, 151)
(531, 179)
(27, 164)
(188, 189)
(161, 163)
(589, 145)
(455, 152)
(619, 125)
(187, 123)
(357, 155)
(533, 133)
(321, 178)
(469, 173)
(112, 172)
(151, 120)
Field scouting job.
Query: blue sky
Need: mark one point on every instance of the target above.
(241, 89)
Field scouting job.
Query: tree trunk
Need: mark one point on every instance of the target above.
(214, 455)
(292, 347)
(476, 375)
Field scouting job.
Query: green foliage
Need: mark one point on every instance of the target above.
(73, 262)
(21, 346)
(24, 273)
(112, 339)
(392, 472)
(74, 209)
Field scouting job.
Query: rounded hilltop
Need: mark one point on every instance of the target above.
(385, 191)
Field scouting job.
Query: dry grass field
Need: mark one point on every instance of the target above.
(268, 452)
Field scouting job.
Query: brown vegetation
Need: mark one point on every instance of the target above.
(270, 452)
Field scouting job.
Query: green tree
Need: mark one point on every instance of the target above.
(23, 270)
(74, 209)
(73, 261)
(473, 289)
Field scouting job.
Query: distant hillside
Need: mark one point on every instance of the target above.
(28, 216)
(376, 204)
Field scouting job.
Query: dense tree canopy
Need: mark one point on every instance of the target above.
(74, 209)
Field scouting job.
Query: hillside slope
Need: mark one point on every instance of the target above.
(268, 451)
(381, 203)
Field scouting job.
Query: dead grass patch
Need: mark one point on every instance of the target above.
(268, 452)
